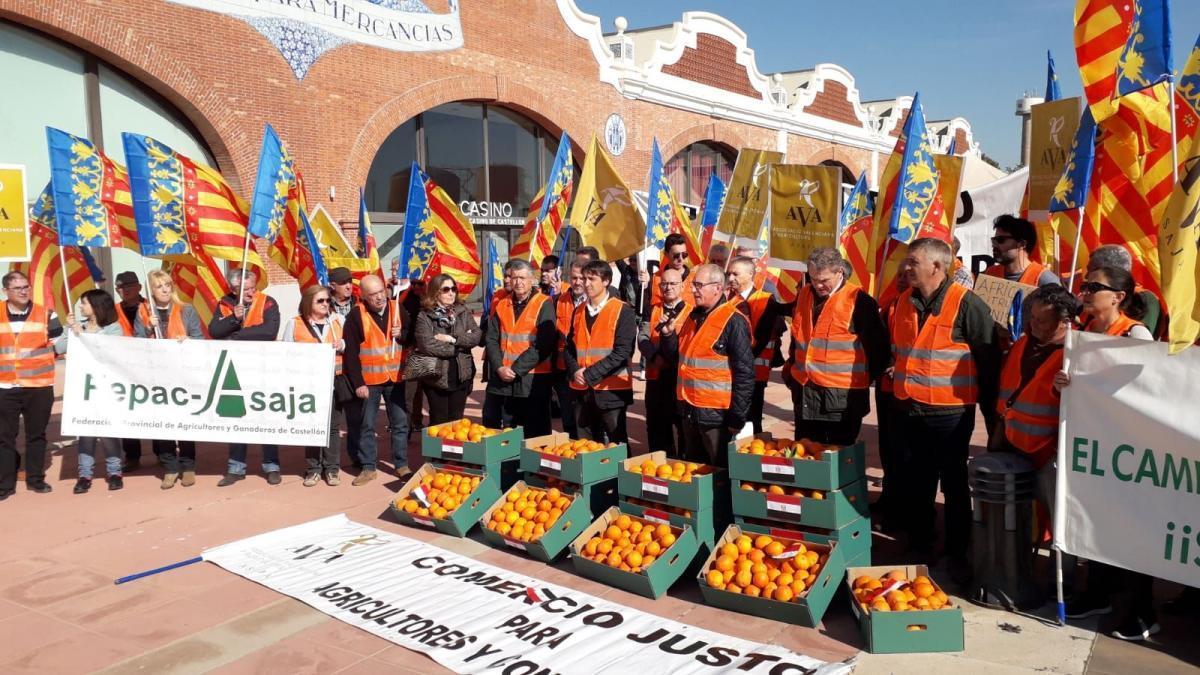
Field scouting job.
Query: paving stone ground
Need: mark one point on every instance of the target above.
(60, 612)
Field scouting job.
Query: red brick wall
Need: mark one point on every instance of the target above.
(832, 103)
(713, 62)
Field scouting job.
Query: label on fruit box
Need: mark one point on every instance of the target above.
(551, 462)
(654, 486)
(784, 504)
(884, 590)
(418, 494)
(514, 544)
(424, 521)
(789, 552)
(786, 534)
(657, 516)
(778, 466)
(452, 448)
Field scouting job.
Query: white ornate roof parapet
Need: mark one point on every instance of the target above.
(888, 113)
(812, 82)
(945, 130)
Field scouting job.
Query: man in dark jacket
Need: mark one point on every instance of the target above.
(255, 318)
(521, 338)
(716, 367)
(599, 347)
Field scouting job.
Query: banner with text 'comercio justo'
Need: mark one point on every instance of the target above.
(198, 390)
(1129, 462)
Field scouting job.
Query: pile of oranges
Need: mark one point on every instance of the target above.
(784, 447)
(462, 430)
(575, 448)
(444, 492)
(658, 506)
(761, 568)
(783, 490)
(894, 592)
(527, 513)
(681, 472)
(629, 544)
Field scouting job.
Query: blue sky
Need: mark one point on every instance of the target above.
(971, 59)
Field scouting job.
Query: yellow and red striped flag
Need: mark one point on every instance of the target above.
(438, 238)
(855, 246)
(547, 213)
(199, 283)
(44, 268)
(1101, 31)
(92, 200)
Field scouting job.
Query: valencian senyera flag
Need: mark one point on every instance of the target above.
(44, 268)
(279, 213)
(199, 283)
(92, 204)
(1070, 193)
(665, 216)
(493, 276)
(1053, 92)
(1178, 238)
(366, 249)
(745, 205)
(1102, 28)
(438, 238)
(858, 215)
(547, 212)
(1146, 59)
(710, 210)
(604, 212)
(185, 210)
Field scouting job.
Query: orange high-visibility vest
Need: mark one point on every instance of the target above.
(143, 312)
(1031, 419)
(1029, 276)
(500, 294)
(595, 344)
(300, 333)
(517, 335)
(930, 367)
(705, 379)
(27, 357)
(564, 310)
(254, 313)
(176, 328)
(758, 301)
(685, 293)
(1120, 327)
(379, 358)
(656, 317)
(827, 353)
(888, 313)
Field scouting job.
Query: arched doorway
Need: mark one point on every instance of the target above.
(688, 171)
(848, 177)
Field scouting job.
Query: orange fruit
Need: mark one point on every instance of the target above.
(613, 532)
(784, 593)
(798, 587)
(744, 544)
(662, 530)
(634, 559)
(752, 591)
(774, 548)
(653, 548)
(733, 588)
(723, 563)
(761, 579)
(623, 521)
(761, 541)
(744, 578)
(880, 606)
(590, 547)
(895, 575)
(715, 579)
(666, 540)
(923, 590)
(730, 550)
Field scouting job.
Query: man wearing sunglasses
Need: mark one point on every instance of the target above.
(518, 347)
(675, 258)
(1013, 241)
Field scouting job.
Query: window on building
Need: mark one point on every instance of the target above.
(688, 171)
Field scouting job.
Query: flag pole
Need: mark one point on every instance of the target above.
(146, 274)
(1059, 500)
(242, 276)
(62, 261)
(1075, 251)
(1174, 149)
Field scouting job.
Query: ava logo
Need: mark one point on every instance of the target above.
(339, 550)
(230, 402)
(807, 189)
(1056, 127)
(806, 212)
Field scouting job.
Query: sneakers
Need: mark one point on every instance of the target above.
(331, 478)
(169, 481)
(403, 473)
(1086, 606)
(273, 478)
(1135, 630)
(39, 486)
(231, 478)
(189, 478)
(115, 482)
(83, 485)
(365, 477)
(311, 479)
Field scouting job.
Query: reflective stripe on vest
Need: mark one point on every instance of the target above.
(301, 333)
(380, 361)
(564, 310)
(827, 353)
(930, 367)
(27, 357)
(595, 344)
(518, 335)
(705, 379)
(1031, 420)
(759, 301)
(656, 317)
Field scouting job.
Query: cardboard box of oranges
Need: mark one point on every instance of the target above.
(538, 522)
(656, 478)
(469, 443)
(901, 610)
(598, 496)
(772, 577)
(450, 500)
(576, 461)
(830, 509)
(801, 463)
(633, 553)
(702, 523)
(854, 539)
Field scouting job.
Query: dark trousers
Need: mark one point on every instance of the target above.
(664, 427)
(414, 393)
(33, 404)
(599, 424)
(531, 412)
(172, 462)
(360, 425)
(132, 447)
(1131, 593)
(705, 444)
(755, 414)
(237, 458)
(566, 403)
(446, 406)
(933, 449)
(319, 459)
(887, 446)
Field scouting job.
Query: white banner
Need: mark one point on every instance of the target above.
(473, 617)
(1129, 467)
(198, 390)
(980, 206)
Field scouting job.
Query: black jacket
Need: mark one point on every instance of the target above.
(544, 341)
(354, 335)
(622, 351)
(735, 344)
(465, 332)
(230, 327)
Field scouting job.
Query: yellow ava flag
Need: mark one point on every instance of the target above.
(604, 213)
(1178, 238)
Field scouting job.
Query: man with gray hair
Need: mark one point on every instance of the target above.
(1115, 255)
(766, 316)
(251, 316)
(839, 346)
(521, 338)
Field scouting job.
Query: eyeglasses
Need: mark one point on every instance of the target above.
(321, 301)
(382, 291)
(679, 256)
(449, 289)
(18, 289)
(1096, 287)
(669, 284)
(1000, 239)
(699, 286)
